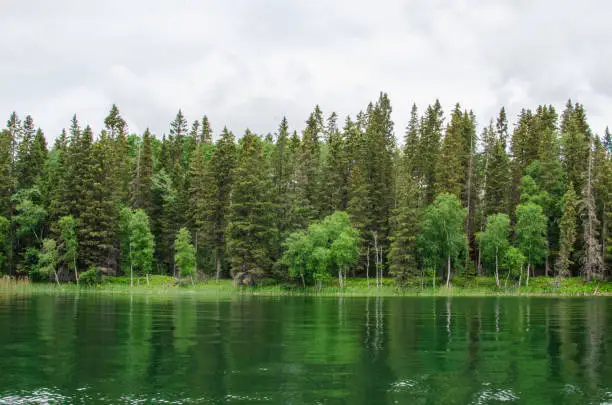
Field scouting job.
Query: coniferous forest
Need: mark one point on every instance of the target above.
(523, 196)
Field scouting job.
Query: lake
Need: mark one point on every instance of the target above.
(97, 348)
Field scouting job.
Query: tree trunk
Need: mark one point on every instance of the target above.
(131, 269)
(507, 277)
(497, 268)
(218, 263)
(520, 276)
(76, 272)
(196, 251)
(340, 277)
(303, 281)
(368, 266)
(527, 280)
(147, 275)
(56, 278)
(448, 272)
(192, 282)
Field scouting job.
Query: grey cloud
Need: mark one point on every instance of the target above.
(246, 63)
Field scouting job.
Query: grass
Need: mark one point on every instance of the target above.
(356, 287)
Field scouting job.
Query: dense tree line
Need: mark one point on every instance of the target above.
(530, 198)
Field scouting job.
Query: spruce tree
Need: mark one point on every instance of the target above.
(336, 168)
(430, 136)
(309, 166)
(201, 203)
(205, 136)
(141, 193)
(251, 230)
(283, 177)
(404, 223)
(592, 260)
(98, 214)
(222, 163)
(575, 137)
(568, 233)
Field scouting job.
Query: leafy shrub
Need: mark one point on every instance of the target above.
(90, 277)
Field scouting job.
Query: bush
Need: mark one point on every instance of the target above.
(37, 276)
(91, 277)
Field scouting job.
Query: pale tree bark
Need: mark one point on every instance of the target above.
(497, 267)
(448, 271)
(592, 259)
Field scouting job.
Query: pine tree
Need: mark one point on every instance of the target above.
(98, 215)
(567, 233)
(450, 170)
(430, 136)
(309, 166)
(25, 175)
(141, 193)
(7, 179)
(411, 150)
(575, 137)
(163, 216)
(336, 168)
(205, 136)
(68, 244)
(251, 229)
(201, 203)
(379, 176)
(404, 223)
(223, 161)
(592, 260)
(57, 176)
(283, 177)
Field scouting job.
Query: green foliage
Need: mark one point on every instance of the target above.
(91, 277)
(531, 232)
(568, 232)
(69, 244)
(137, 243)
(48, 258)
(327, 247)
(242, 200)
(513, 261)
(4, 242)
(251, 228)
(184, 254)
(494, 240)
(442, 235)
(30, 215)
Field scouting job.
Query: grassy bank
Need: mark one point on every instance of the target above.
(461, 286)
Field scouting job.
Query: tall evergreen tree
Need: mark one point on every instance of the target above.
(141, 193)
(251, 229)
(576, 138)
(568, 233)
(309, 166)
(98, 214)
(592, 260)
(429, 149)
(222, 164)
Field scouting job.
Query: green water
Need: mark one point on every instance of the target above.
(98, 348)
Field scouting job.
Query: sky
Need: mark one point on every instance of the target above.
(248, 63)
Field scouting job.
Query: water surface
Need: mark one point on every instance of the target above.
(293, 350)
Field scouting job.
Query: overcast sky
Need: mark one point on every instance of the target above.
(246, 63)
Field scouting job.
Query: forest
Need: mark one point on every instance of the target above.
(517, 198)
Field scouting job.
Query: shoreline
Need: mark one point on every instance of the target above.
(165, 285)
